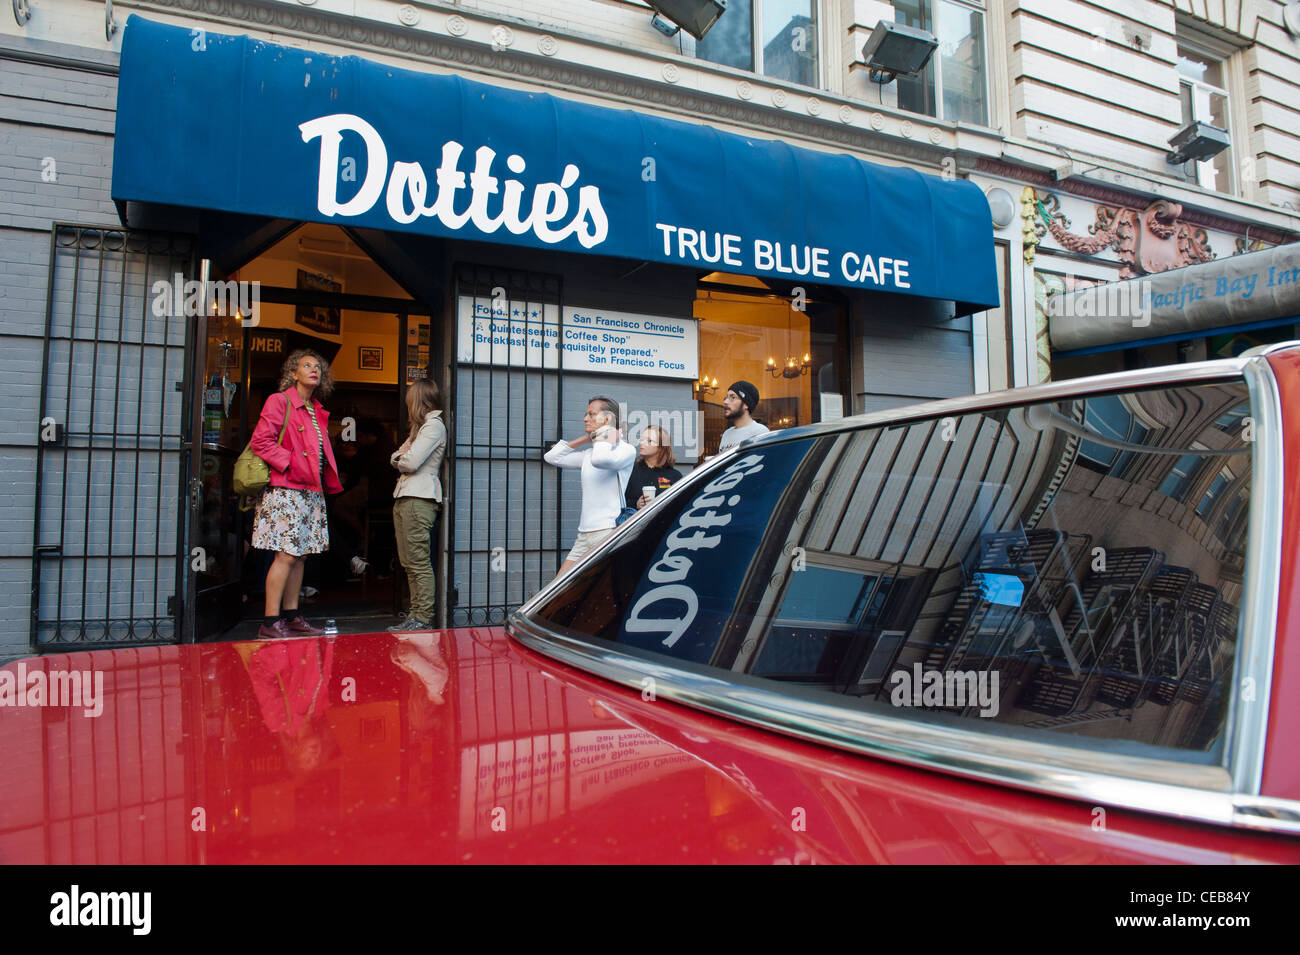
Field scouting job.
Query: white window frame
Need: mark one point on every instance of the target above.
(982, 8)
(755, 39)
(1197, 41)
(936, 61)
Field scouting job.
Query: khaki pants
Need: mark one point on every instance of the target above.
(413, 520)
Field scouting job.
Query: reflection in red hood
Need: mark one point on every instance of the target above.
(462, 746)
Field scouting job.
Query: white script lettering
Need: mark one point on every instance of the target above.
(406, 199)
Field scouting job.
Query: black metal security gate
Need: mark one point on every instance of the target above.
(112, 463)
(505, 536)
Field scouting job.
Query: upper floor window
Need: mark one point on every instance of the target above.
(1232, 421)
(1181, 476)
(1232, 526)
(1203, 94)
(954, 84)
(776, 38)
(1221, 480)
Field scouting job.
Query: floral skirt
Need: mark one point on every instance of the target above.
(291, 521)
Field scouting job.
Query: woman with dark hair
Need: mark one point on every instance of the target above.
(418, 497)
(292, 437)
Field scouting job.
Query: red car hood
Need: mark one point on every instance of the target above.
(462, 746)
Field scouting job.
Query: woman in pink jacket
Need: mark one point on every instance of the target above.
(290, 516)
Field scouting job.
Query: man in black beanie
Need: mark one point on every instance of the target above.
(738, 405)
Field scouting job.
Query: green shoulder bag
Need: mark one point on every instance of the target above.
(252, 474)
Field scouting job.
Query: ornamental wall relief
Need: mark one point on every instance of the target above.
(1145, 241)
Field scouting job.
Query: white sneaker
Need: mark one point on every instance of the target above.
(359, 565)
(309, 592)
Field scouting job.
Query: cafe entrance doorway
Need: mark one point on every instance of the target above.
(318, 289)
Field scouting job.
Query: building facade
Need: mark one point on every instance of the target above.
(143, 162)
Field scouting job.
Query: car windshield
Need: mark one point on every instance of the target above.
(1072, 567)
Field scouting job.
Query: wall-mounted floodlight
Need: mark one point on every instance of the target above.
(1199, 141)
(895, 50)
(696, 17)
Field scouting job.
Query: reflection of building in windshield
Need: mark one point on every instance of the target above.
(1100, 580)
(1088, 553)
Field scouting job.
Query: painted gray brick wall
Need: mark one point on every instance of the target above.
(78, 158)
(56, 126)
(506, 496)
(509, 500)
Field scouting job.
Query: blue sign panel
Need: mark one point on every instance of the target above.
(236, 124)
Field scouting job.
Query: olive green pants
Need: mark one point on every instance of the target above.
(413, 520)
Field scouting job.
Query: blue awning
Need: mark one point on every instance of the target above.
(235, 124)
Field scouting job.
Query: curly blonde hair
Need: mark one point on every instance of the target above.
(326, 386)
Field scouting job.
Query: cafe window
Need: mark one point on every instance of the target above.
(954, 84)
(790, 343)
(774, 38)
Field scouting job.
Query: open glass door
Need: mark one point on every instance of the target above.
(216, 519)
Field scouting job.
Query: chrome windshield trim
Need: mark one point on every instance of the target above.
(1182, 790)
(1248, 707)
(1226, 368)
(1268, 348)
(1261, 812)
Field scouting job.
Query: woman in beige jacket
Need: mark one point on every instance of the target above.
(418, 498)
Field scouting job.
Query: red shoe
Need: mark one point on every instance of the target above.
(298, 626)
(276, 631)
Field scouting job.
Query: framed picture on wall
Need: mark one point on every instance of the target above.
(370, 358)
(319, 318)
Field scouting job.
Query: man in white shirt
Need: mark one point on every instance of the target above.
(738, 404)
(606, 466)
